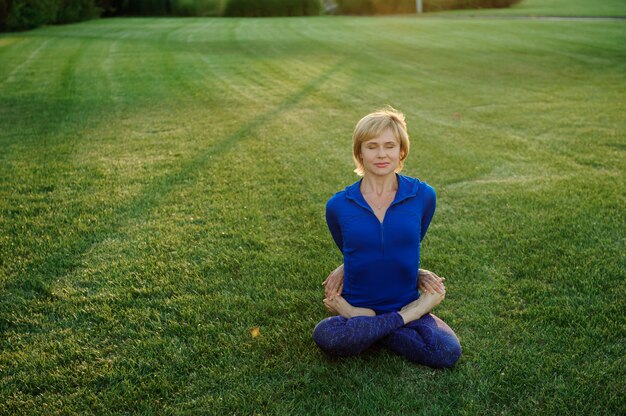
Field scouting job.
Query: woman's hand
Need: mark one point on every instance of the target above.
(430, 282)
(334, 282)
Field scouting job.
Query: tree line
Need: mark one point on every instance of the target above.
(16, 15)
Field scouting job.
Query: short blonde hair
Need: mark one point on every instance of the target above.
(375, 124)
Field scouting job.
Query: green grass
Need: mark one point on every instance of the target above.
(565, 8)
(162, 191)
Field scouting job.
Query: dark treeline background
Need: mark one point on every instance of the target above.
(18, 15)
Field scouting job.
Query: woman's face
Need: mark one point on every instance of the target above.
(381, 155)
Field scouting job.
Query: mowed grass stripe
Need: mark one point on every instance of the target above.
(238, 134)
(151, 194)
(20, 68)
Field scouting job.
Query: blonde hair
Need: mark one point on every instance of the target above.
(375, 124)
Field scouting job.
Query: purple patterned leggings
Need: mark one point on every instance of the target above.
(427, 341)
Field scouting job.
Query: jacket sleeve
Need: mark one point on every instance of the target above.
(332, 220)
(430, 202)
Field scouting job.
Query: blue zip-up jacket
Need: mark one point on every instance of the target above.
(381, 260)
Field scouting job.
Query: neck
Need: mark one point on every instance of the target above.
(379, 184)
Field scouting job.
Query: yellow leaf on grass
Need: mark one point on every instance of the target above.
(255, 332)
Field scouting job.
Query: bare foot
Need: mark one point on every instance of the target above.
(420, 307)
(340, 306)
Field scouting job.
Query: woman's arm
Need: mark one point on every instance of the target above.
(430, 203)
(332, 220)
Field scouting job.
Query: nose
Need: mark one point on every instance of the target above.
(381, 152)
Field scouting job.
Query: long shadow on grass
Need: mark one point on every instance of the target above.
(34, 282)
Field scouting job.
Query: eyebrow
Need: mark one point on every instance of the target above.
(388, 142)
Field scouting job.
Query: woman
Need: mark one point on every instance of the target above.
(379, 293)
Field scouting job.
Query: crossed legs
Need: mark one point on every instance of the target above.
(413, 332)
(428, 341)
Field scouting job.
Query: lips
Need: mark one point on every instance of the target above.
(381, 165)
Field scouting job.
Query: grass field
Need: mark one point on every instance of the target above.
(602, 8)
(162, 192)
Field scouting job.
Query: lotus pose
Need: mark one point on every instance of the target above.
(380, 294)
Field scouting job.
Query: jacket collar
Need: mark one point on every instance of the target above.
(407, 188)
